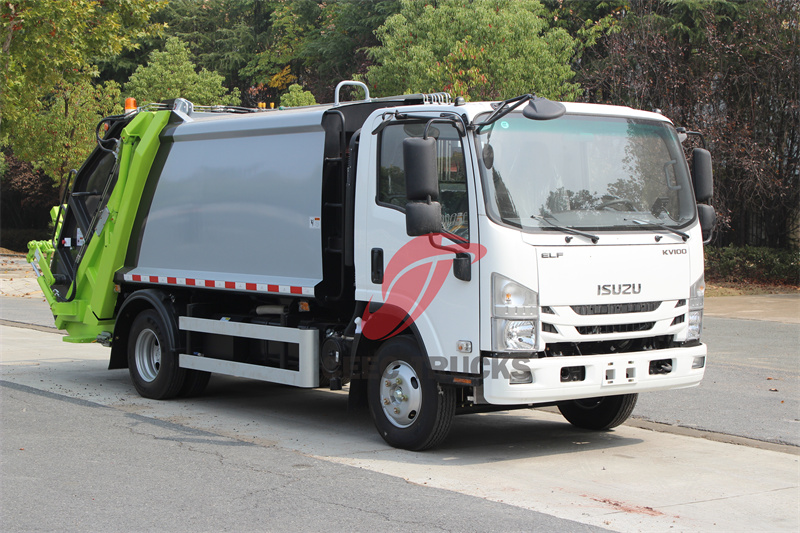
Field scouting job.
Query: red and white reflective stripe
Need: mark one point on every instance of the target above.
(220, 284)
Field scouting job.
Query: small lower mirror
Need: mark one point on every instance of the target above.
(423, 218)
(462, 267)
(708, 219)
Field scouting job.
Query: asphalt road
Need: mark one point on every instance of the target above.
(751, 386)
(74, 465)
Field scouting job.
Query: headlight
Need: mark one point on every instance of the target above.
(515, 335)
(696, 296)
(515, 310)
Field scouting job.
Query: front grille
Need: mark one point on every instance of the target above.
(549, 328)
(615, 328)
(615, 309)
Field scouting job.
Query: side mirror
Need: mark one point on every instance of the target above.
(702, 175)
(543, 109)
(423, 211)
(708, 219)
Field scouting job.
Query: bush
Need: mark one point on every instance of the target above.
(297, 97)
(26, 196)
(753, 264)
(17, 239)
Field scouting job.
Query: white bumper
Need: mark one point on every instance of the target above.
(605, 375)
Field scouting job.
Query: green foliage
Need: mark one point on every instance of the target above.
(587, 21)
(171, 74)
(274, 67)
(59, 132)
(479, 49)
(338, 47)
(297, 97)
(752, 264)
(263, 46)
(49, 43)
(223, 35)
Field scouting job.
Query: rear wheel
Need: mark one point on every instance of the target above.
(152, 362)
(410, 409)
(599, 413)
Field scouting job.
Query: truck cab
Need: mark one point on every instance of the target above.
(584, 281)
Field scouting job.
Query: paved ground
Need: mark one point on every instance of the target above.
(773, 307)
(630, 479)
(75, 465)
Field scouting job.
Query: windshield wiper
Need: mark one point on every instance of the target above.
(684, 236)
(565, 229)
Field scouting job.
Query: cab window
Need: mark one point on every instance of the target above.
(450, 165)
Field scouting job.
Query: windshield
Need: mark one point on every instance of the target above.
(584, 172)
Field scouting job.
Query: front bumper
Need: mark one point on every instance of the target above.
(603, 375)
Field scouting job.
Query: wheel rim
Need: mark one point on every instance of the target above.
(148, 355)
(401, 394)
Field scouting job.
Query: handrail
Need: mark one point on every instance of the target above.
(354, 84)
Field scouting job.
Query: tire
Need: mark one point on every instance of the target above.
(599, 413)
(152, 361)
(410, 409)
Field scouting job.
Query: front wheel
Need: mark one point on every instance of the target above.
(152, 362)
(599, 413)
(410, 409)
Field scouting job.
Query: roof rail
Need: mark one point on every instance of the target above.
(436, 98)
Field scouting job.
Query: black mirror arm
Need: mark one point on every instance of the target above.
(693, 134)
(505, 107)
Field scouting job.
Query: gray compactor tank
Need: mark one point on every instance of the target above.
(235, 198)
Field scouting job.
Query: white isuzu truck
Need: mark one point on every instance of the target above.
(438, 256)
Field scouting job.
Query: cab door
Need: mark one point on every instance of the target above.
(411, 281)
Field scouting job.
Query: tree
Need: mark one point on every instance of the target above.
(47, 43)
(338, 48)
(317, 44)
(732, 71)
(171, 74)
(26, 196)
(481, 49)
(59, 133)
(297, 97)
(263, 46)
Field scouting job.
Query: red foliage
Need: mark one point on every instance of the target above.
(26, 196)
